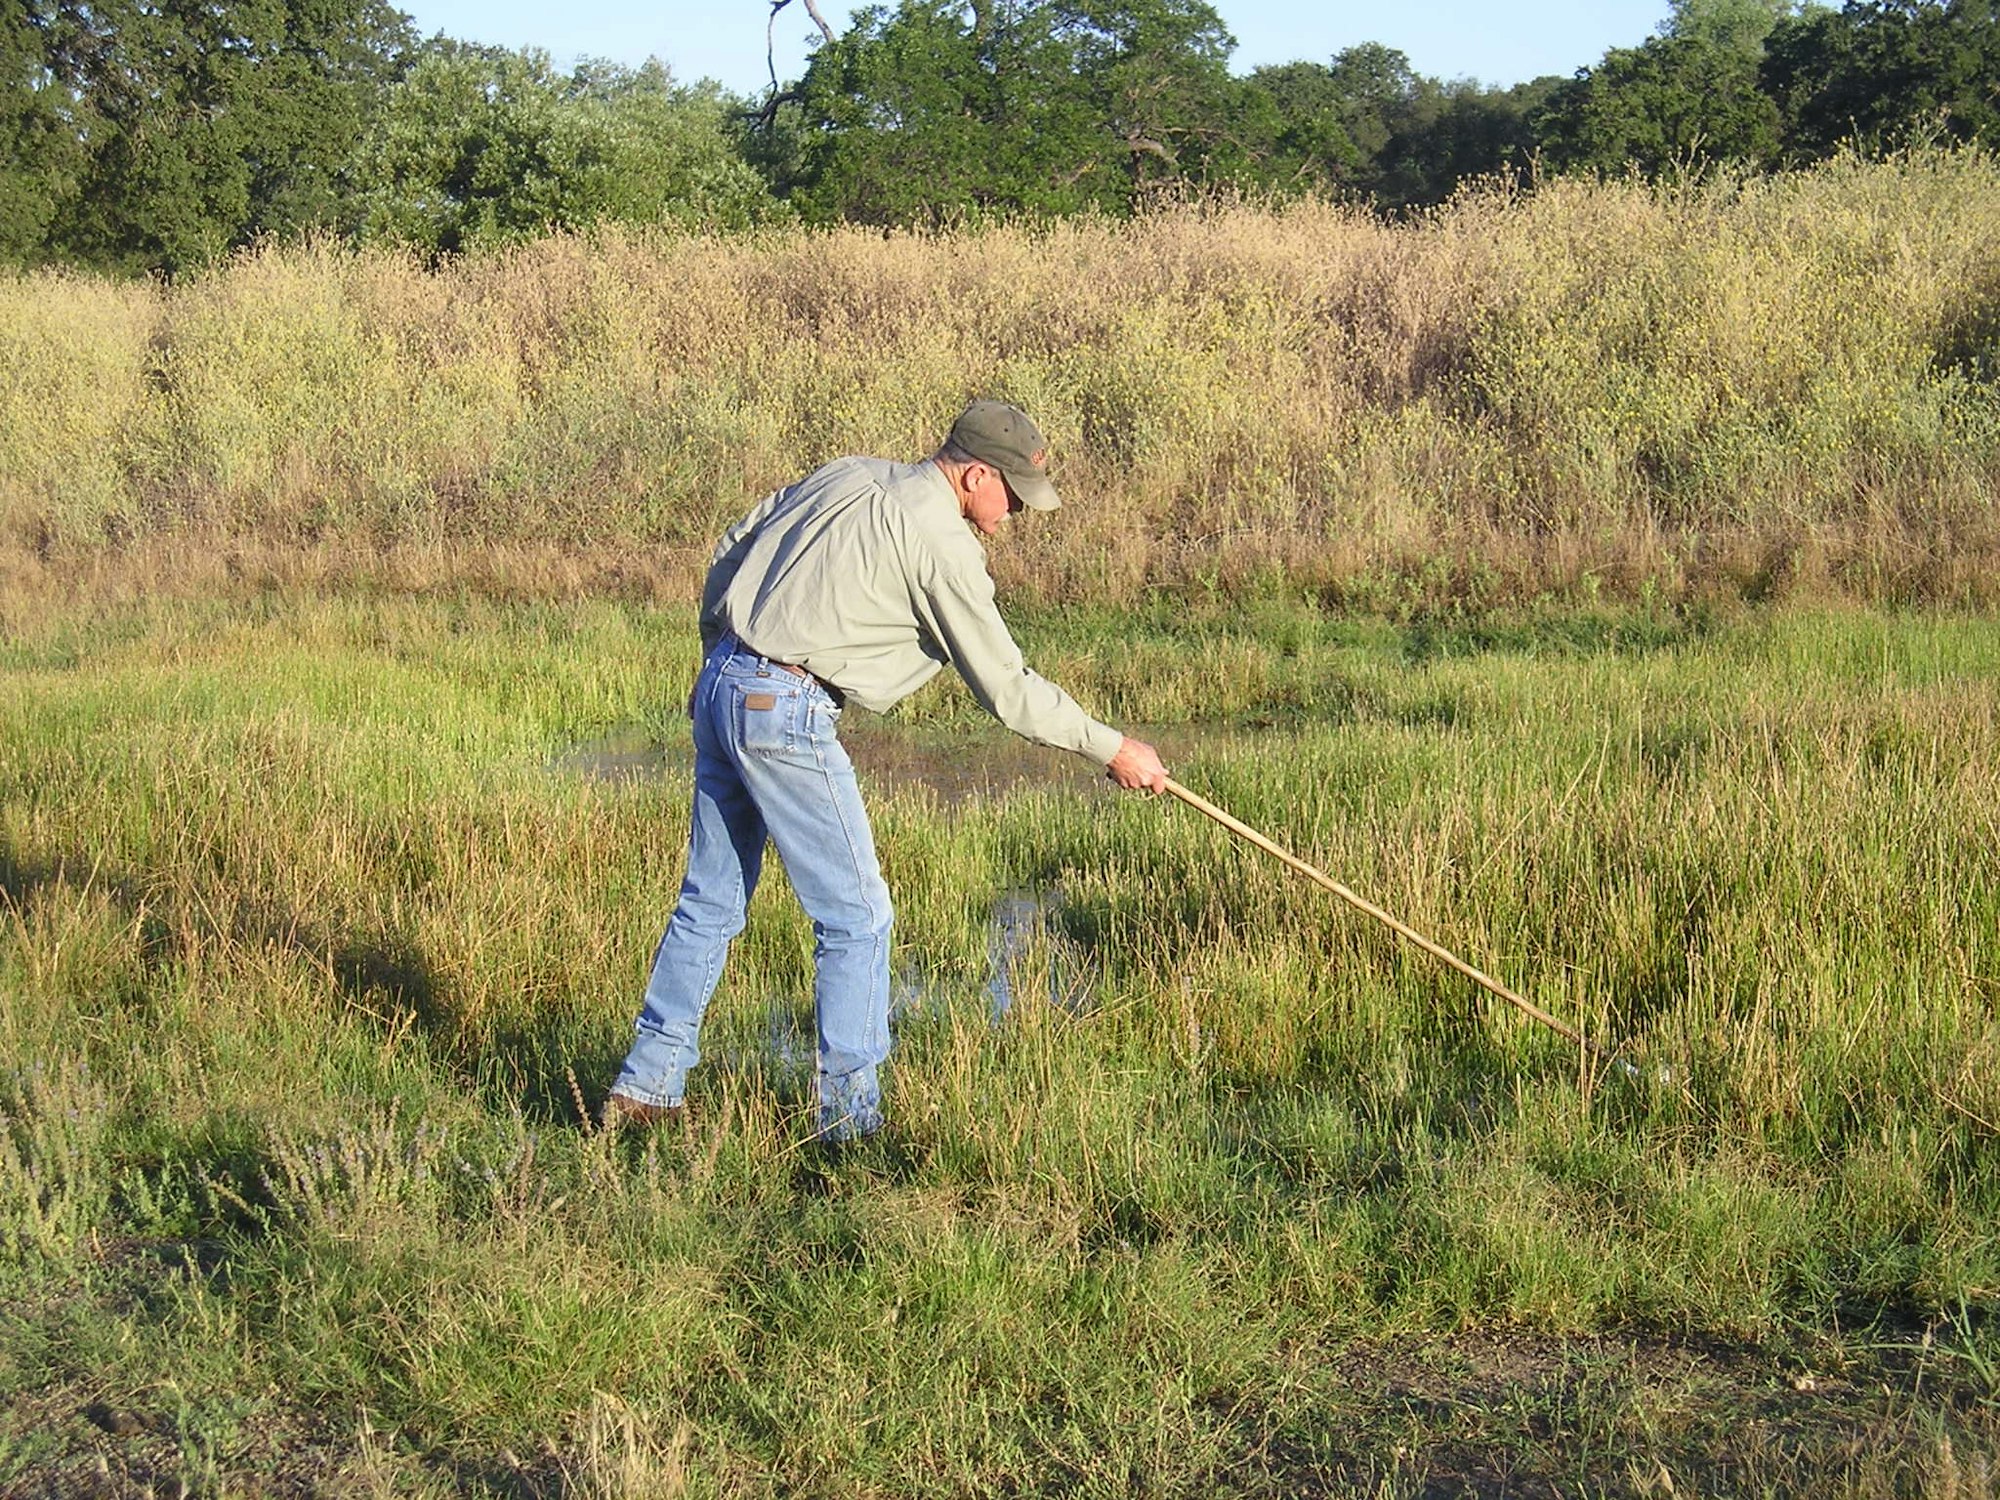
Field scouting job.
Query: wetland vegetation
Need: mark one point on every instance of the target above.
(1598, 578)
(312, 941)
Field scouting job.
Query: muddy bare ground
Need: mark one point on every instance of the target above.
(1493, 1414)
(1480, 1413)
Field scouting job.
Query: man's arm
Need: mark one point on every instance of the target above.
(960, 614)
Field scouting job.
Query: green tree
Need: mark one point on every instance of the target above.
(939, 109)
(1376, 87)
(479, 146)
(324, 76)
(1451, 131)
(185, 127)
(929, 111)
(1311, 146)
(1157, 73)
(1371, 124)
(1877, 70)
(41, 137)
(1740, 26)
(1690, 95)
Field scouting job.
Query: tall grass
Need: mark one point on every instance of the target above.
(304, 932)
(1751, 385)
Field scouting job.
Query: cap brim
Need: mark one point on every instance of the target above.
(1032, 489)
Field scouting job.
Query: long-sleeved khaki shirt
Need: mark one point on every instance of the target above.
(866, 574)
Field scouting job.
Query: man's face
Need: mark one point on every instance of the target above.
(987, 500)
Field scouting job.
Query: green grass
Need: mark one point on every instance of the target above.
(304, 933)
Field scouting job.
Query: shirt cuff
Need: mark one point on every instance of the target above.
(1101, 742)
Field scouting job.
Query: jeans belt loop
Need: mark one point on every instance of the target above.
(738, 646)
(839, 698)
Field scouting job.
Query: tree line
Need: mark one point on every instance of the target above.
(157, 135)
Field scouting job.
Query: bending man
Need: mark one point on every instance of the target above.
(854, 585)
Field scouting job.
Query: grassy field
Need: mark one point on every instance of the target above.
(1599, 577)
(313, 928)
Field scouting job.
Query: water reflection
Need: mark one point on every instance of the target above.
(1016, 921)
(1020, 927)
(628, 752)
(1018, 937)
(955, 766)
(793, 1043)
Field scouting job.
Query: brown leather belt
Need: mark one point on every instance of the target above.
(736, 642)
(839, 698)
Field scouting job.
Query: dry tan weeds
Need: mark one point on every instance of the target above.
(1758, 385)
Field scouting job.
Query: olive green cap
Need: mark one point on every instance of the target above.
(1007, 438)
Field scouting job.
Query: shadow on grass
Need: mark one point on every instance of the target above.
(378, 976)
(381, 971)
(553, 1067)
(1571, 633)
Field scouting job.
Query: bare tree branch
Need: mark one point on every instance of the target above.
(770, 33)
(812, 9)
(1139, 144)
(766, 113)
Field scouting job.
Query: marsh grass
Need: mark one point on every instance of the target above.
(308, 945)
(1731, 386)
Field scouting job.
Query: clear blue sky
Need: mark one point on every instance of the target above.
(724, 39)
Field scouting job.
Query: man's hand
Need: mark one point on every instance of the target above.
(1137, 766)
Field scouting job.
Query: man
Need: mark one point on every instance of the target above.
(854, 585)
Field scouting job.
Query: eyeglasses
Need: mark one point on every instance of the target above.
(1014, 506)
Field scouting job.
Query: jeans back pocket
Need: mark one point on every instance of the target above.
(765, 716)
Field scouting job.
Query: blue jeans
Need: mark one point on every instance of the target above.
(768, 761)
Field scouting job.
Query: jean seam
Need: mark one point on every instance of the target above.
(877, 957)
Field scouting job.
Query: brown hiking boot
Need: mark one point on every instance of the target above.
(622, 1112)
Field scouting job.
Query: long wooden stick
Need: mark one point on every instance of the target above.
(1360, 903)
